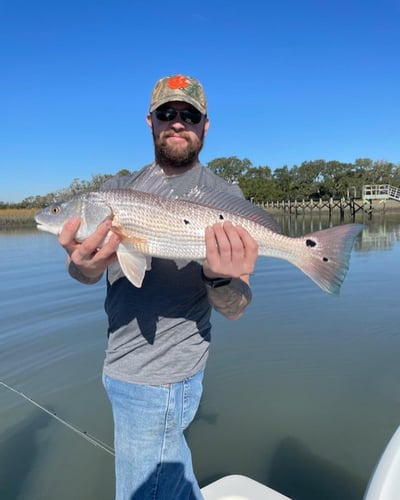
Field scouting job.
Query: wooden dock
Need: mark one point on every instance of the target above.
(343, 206)
(374, 198)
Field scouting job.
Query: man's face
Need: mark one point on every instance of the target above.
(178, 140)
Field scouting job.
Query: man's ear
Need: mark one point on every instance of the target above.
(206, 125)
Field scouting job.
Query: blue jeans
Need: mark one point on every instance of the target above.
(152, 458)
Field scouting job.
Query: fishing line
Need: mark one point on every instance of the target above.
(94, 441)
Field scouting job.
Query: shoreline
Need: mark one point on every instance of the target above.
(15, 218)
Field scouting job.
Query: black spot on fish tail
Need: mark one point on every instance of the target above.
(328, 255)
(221, 217)
(186, 221)
(312, 243)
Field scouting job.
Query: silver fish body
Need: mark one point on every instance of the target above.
(174, 228)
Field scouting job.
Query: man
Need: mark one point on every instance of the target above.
(159, 334)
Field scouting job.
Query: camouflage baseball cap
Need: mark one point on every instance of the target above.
(179, 88)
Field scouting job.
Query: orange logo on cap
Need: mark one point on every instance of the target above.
(178, 82)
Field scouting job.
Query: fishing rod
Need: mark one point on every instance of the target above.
(85, 435)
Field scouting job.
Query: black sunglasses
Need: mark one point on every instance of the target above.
(190, 116)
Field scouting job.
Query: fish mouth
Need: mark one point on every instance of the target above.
(47, 229)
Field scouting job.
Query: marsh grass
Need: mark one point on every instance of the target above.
(17, 217)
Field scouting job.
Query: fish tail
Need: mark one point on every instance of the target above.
(327, 255)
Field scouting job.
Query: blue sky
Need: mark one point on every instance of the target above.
(286, 80)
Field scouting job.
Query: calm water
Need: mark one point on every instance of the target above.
(300, 394)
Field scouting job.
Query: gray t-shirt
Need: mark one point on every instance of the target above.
(159, 333)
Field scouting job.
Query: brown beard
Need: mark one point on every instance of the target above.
(177, 157)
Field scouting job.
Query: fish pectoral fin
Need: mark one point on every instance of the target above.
(133, 264)
(118, 229)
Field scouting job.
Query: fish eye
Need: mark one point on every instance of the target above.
(55, 209)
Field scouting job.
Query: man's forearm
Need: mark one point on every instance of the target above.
(230, 300)
(75, 273)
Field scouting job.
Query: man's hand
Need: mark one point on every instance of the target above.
(89, 257)
(230, 252)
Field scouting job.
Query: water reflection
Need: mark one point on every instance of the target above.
(380, 232)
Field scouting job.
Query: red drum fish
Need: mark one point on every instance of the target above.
(174, 228)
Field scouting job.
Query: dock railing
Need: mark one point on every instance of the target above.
(380, 192)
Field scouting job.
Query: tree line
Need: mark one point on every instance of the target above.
(317, 179)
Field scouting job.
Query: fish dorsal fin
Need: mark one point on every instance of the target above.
(231, 203)
(133, 264)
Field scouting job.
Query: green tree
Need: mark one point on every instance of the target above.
(230, 169)
(338, 178)
(123, 171)
(309, 177)
(382, 172)
(376, 172)
(284, 185)
(258, 184)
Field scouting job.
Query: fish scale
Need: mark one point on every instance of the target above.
(174, 228)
